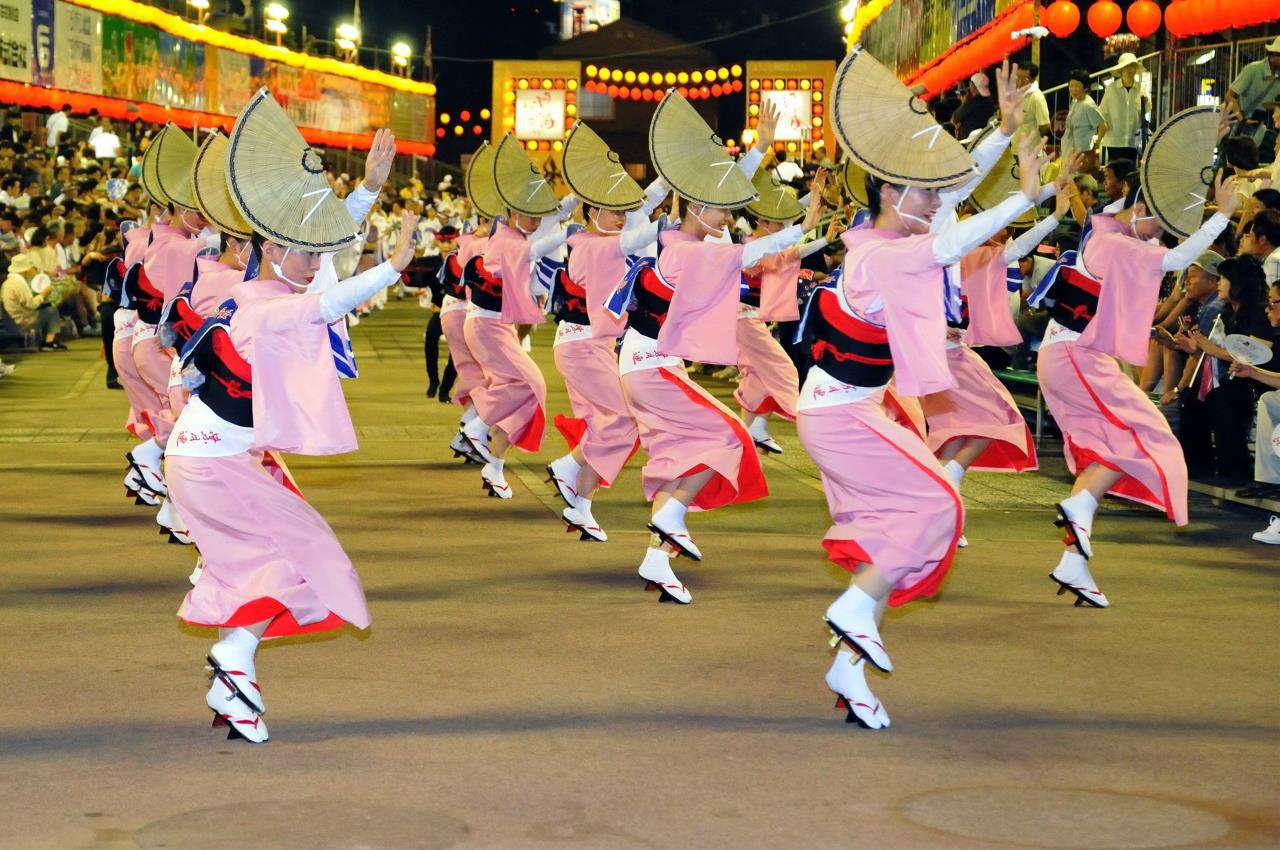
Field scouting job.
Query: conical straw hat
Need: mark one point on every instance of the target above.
(1000, 183)
(479, 183)
(209, 183)
(278, 182)
(777, 201)
(595, 173)
(853, 178)
(519, 183)
(150, 184)
(689, 155)
(889, 131)
(175, 152)
(1176, 182)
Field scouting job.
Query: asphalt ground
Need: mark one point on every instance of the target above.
(519, 689)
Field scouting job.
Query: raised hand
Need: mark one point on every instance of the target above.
(1031, 158)
(1228, 117)
(406, 242)
(377, 165)
(1065, 184)
(1009, 96)
(814, 216)
(768, 126)
(1225, 195)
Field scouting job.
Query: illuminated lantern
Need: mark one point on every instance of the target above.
(647, 94)
(630, 76)
(1105, 18)
(716, 90)
(1062, 18)
(464, 115)
(643, 77)
(635, 93)
(591, 70)
(736, 70)
(624, 93)
(612, 91)
(1143, 18)
(696, 77)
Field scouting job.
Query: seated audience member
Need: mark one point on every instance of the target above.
(25, 310)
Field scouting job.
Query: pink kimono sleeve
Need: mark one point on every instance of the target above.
(779, 275)
(984, 278)
(702, 323)
(1130, 272)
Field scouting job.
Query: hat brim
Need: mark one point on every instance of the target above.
(175, 153)
(691, 158)
(478, 182)
(147, 176)
(518, 181)
(1171, 169)
(596, 174)
(209, 185)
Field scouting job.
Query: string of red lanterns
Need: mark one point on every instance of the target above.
(645, 93)
(1182, 18)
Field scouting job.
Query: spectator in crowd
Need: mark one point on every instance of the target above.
(1113, 177)
(1035, 109)
(1261, 239)
(57, 124)
(1083, 118)
(1266, 462)
(786, 170)
(1257, 83)
(104, 141)
(26, 310)
(976, 109)
(12, 130)
(1124, 108)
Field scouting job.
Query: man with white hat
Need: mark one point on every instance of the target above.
(30, 310)
(1257, 83)
(1123, 108)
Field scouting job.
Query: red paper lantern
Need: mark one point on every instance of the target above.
(1062, 18)
(1175, 18)
(1105, 18)
(1143, 18)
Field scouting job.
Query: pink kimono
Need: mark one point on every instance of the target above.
(584, 355)
(683, 428)
(213, 285)
(980, 406)
(1104, 416)
(890, 504)
(514, 394)
(453, 319)
(267, 553)
(768, 381)
(135, 389)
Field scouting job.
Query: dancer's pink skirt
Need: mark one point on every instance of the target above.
(685, 430)
(980, 407)
(267, 553)
(514, 394)
(135, 389)
(470, 374)
(890, 504)
(1105, 418)
(768, 379)
(602, 424)
(152, 363)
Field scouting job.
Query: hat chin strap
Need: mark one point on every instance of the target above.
(1133, 223)
(280, 275)
(714, 231)
(897, 208)
(190, 228)
(595, 219)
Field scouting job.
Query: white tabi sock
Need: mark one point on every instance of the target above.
(148, 454)
(476, 429)
(584, 506)
(1081, 507)
(468, 413)
(671, 515)
(759, 428)
(656, 557)
(954, 472)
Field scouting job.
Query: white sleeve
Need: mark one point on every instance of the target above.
(654, 194)
(963, 236)
(567, 206)
(750, 162)
(344, 296)
(637, 232)
(359, 201)
(1047, 191)
(1179, 258)
(757, 249)
(547, 238)
(985, 156)
(813, 247)
(1016, 249)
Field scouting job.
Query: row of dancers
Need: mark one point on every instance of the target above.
(894, 408)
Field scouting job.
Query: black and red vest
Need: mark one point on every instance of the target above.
(749, 294)
(451, 277)
(569, 300)
(228, 377)
(144, 296)
(1075, 299)
(848, 347)
(652, 298)
(486, 290)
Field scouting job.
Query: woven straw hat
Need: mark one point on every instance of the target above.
(150, 184)
(278, 182)
(853, 178)
(479, 183)
(692, 159)
(777, 201)
(595, 173)
(209, 183)
(1175, 186)
(1000, 183)
(889, 131)
(519, 182)
(174, 154)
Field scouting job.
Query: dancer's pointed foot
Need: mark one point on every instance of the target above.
(852, 620)
(658, 575)
(847, 678)
(1072, 575)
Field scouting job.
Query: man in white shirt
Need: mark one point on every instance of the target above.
(1083, 117)
(58, 123)
(1123, 108)
(786, 170)
(105, 143)
(1035, 109)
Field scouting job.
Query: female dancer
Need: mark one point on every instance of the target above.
(769, 381)
(685, 308)
(603, 435)
(1100, 307)
(895, 517)
(511, 404)
(272, 565)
